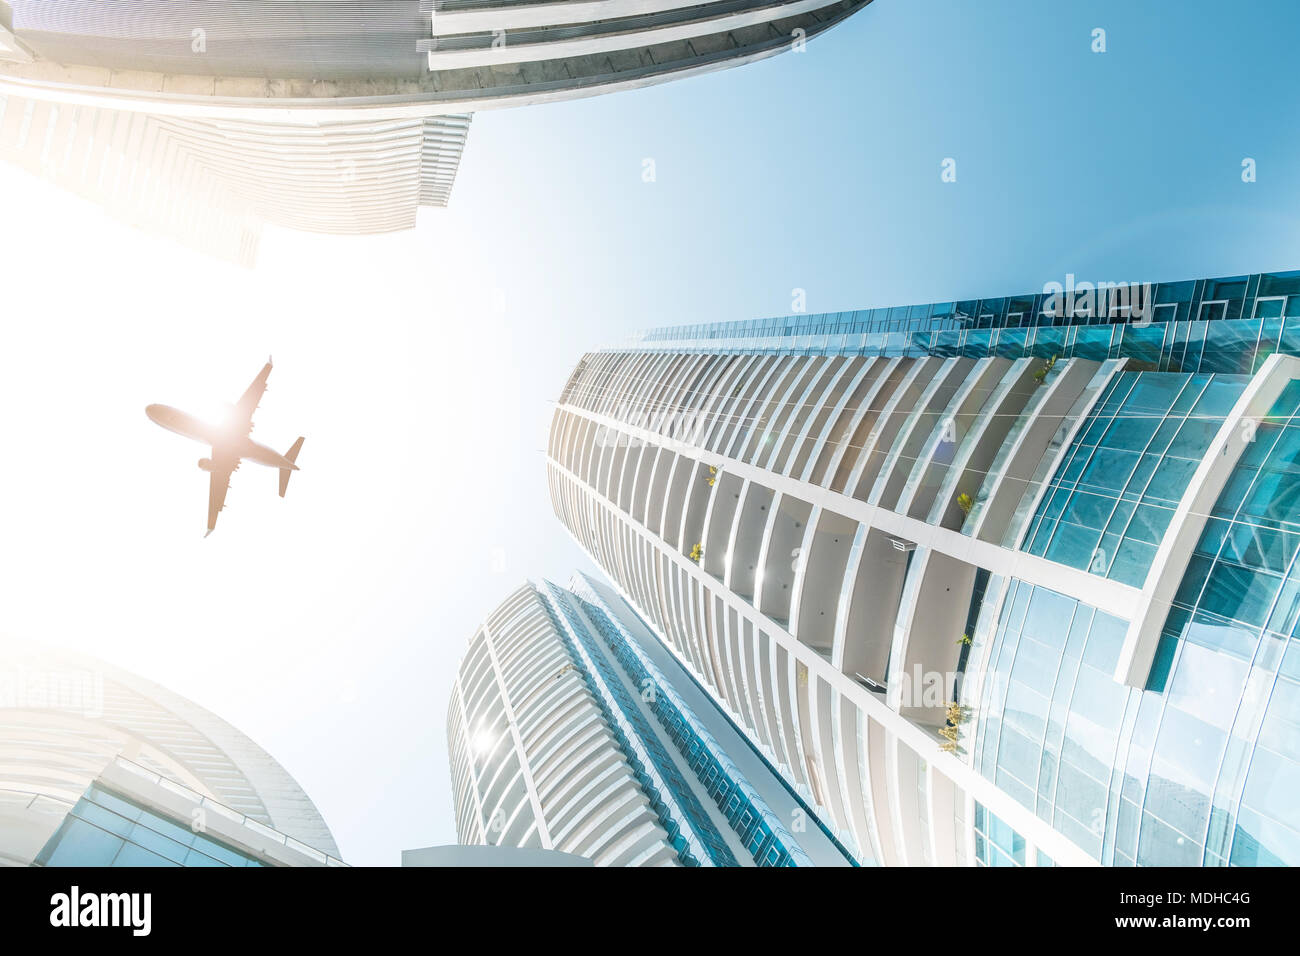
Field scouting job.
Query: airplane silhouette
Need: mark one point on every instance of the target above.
(229, 442)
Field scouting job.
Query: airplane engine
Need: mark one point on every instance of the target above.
(205, 464)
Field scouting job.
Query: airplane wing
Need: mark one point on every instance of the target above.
(248, 402)
(218, 485)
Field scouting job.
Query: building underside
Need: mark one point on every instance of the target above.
(205, 120)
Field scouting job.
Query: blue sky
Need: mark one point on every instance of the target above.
(421, 365)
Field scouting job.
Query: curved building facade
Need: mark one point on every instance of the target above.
(1008, 581)
(566, 734)
(205, 120)
(87, 751)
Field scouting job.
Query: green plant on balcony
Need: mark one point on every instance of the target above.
(966, 640)
(697, 553)
(956, 715)
(712, 479)
(1044, 370)
(965, 502)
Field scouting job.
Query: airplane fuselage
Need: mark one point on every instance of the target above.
(229, 442)
(224, 442)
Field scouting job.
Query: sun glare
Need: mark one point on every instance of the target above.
(484, 741)
(218, 414)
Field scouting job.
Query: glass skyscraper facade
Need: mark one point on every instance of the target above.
(1197, 766)
(99, 767)
(203, 121)
(1228, 325)
(566, 734)
(1108, 505)
(105, 829)
(1006, 581)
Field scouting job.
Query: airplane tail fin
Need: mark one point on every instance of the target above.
(292, 455)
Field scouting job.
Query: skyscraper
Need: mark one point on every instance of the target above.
(205, 120)
(569, 729)
(99, 767)
(1008, 581)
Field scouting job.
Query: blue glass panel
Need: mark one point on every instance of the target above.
(81, 844)
(1230, 345)
(157, 843)
(1271, 788)
(105, 819)
(1253, 832)
(1093, 342)
(1281, 728)
(133, 855)
(1131, 561)
(1239, 593)
(1161, 845)
(1158, 676)
(996, 843)
(1150, 430)
(1208, 685)
(140, 837)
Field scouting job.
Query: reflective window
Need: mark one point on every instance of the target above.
(996, 844)
(1228, 752)
(1207, 325)
(105, 829)
(1052, 713)
(1200, 768)
(749, 816)
(1111, 500)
